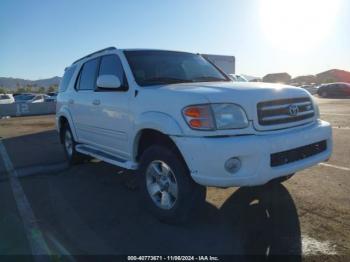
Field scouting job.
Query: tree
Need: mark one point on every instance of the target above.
(41, 89)
(20, 90)
(2, 90)
(52, 88)
(28, 88)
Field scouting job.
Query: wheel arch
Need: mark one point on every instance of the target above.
(154, 126)
(148, 137)
(62, 119)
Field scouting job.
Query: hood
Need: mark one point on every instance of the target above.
(219, 90)
(247, 95)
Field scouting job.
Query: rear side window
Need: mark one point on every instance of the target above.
(4, 97)
(66, 78)
(111, 65)
(87, 80)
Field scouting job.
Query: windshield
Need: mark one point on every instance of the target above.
(169, 67)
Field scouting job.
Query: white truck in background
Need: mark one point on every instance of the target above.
(181, 124)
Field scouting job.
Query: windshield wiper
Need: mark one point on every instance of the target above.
(165, 80)
(208, 79)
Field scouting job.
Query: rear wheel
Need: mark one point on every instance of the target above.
(69, 144)
(166, 185)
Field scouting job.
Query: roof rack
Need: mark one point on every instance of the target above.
(94, 53)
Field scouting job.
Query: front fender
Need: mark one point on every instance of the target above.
(161, 122)
(158, 121)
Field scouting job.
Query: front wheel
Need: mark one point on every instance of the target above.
(166, 185)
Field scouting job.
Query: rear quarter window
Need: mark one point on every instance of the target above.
(67, 77)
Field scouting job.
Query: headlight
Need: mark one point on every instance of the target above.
(215, 116)
(316, 108)
(317, 111)
(229, 116)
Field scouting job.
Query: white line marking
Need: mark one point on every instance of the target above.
(342, 128)
(334, 166)
(35, 238)
(335, 114)
(312, 246)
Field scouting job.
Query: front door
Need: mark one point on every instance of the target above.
(81, 103)
(111, 110)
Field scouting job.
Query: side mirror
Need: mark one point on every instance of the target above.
(108, 82)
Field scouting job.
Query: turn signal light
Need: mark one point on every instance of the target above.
(199, 117)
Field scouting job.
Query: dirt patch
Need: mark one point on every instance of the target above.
(18, 126)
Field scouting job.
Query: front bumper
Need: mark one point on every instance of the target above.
(206, 157)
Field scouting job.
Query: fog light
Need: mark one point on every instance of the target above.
(232, 165)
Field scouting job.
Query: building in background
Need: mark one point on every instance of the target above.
(332, 76)
(277, 78)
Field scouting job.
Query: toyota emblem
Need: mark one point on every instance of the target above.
(293, 110)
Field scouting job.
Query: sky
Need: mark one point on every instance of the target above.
(38, 39)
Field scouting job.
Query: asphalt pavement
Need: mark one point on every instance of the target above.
(93, 208)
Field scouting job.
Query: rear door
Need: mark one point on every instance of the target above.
(111, 110)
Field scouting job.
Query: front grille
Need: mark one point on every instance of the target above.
(285, 111)
(293, 155)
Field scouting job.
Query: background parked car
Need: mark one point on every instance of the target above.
(334, 90)
(51, 97)
(312, 89)
(6, 99)
(237, 78)
(31, 98)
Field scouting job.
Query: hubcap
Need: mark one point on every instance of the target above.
(161, 184)
(68, 143)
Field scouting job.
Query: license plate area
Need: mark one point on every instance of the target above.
(296, 154)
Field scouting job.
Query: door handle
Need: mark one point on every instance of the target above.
(96, 102)
(71, 101)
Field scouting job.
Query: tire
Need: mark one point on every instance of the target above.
(69, 144)
(167, 187)
(282, 179)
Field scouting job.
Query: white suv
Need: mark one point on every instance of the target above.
(6, 99)
(183, 125)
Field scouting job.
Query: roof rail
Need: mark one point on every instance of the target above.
(94, 53)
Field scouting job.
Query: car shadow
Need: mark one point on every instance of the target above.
(265, 219)
(37, 149)
(90, 210)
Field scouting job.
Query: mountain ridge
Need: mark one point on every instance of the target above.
(15, 83)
